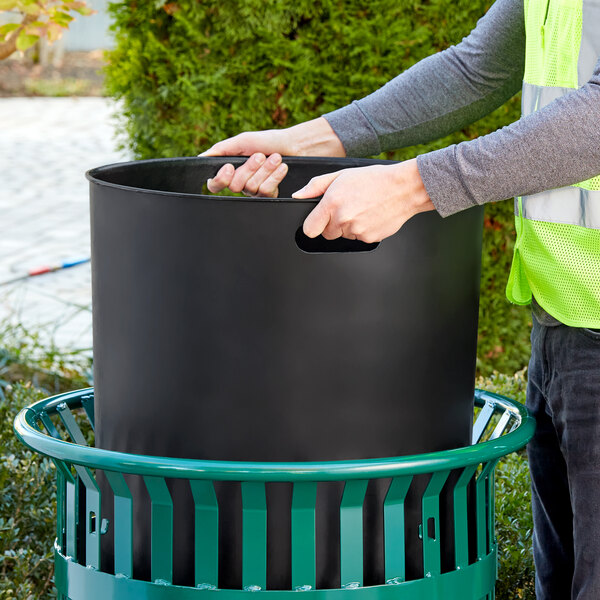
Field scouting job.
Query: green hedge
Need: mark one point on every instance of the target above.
(189, 74)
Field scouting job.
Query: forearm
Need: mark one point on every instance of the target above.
(442, 93)
(314, 138)
(552, 147)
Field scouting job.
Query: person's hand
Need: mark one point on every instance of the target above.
(365, 203)
(262, 173)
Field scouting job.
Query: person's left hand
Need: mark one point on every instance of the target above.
(365, 203)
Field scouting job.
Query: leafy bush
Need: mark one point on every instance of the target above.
(27, 481)
(27, 514)
(190, 74)
(514, 524)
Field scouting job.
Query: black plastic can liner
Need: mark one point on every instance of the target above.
(222, 332)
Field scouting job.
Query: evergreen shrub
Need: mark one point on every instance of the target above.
(191, 73)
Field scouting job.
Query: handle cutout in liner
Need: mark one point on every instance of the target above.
(320, 245)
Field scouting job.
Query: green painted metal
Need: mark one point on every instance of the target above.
(161, 518)
(393, 513)
(63, 474)
(87, 402)
(351, 532)
(461, 524)
(92, 495)
(431, 524)
(60, 510)
(276, 471)
(482, 510)
(501, 425)
(123, 524)
(71, 516)
(471, 583)
(483, 420)
(77, 464)
(69, 422)
(304, 500)
(206, 532)
(254, 535)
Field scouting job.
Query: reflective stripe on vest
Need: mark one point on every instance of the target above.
(557, 251)
(579, 204)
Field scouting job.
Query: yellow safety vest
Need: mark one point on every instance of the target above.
(557, 251)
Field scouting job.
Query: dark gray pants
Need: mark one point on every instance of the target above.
(564, 457)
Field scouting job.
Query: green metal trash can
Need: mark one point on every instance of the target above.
(61, 428)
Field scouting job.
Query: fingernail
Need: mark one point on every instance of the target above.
(275, 159)
(260, 159)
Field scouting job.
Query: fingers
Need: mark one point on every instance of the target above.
(222, 179)
(269, 188)
(258, 176)
(316, 186)
(246, 171)
(267, 179)
(318, 221)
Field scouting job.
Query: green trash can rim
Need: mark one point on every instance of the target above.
(27, 431)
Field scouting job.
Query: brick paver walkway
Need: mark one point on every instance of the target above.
(46, 145)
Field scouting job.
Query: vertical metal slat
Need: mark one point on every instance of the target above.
(161, 516)
(206, 533)
(71, 511)
(254, 535)
(481, 509)
(88, 405)
(501, 425)
(123, 524)
(304, 501)
(351, 532)
(482, 421)
(93, 517)
(63, 476)
(69, 421)
(393, 509)
(461, 523)
(431, 515)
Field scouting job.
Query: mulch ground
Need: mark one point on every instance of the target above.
(79, 74)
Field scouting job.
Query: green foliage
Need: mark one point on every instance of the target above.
(514, 524)
(27, 481)
(189, 74)
(27, 511)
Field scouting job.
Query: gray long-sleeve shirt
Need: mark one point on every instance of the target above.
(556, 146)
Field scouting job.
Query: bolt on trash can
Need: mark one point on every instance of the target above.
(222, 333)
(58, 428)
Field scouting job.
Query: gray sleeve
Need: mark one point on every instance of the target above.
(555, 146)
(442, 93)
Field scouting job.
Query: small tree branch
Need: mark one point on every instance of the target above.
(9, 45)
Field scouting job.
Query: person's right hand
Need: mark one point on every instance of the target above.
(262, 173)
